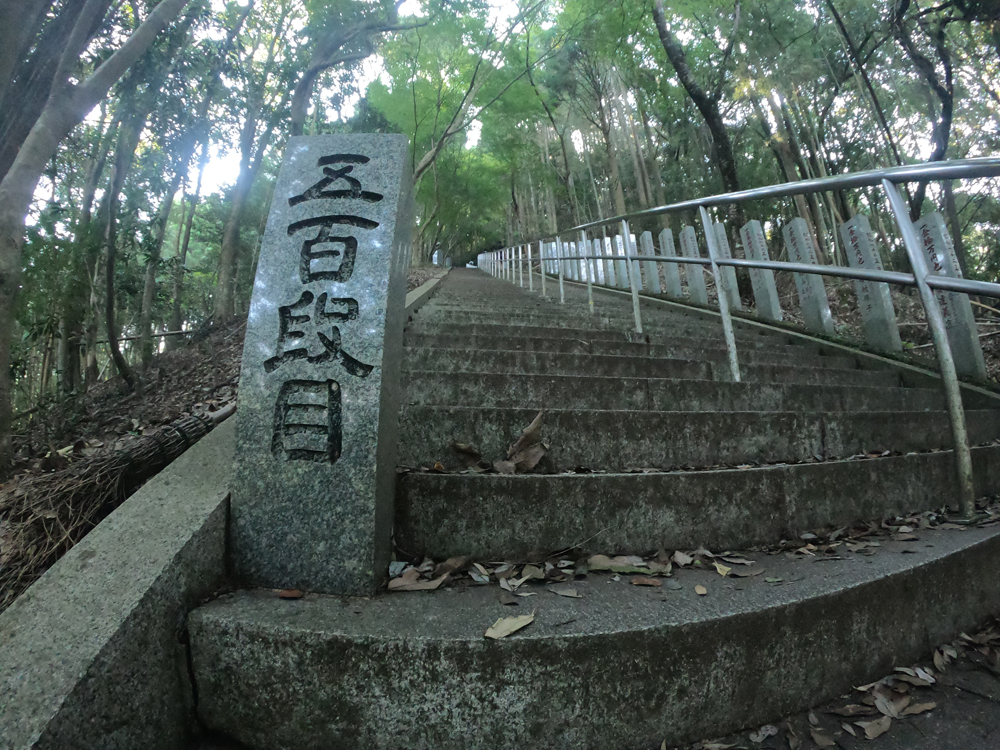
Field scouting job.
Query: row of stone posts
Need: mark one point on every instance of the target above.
(874, 301)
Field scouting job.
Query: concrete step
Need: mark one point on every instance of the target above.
(708, 331)
(521, 362)
(713, 353)
(500, 516)
(623, 667)
(518, 363)
(499, 330)
(488, 389)
(622, 440)
(621, 345)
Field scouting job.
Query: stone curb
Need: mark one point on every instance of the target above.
(92, 656)
(419, 296)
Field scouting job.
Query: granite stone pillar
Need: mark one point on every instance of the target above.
(728, 272)
(874, 300)
(671, 273)
(652, 272)
(812, 292)
(765, 292)
(621, 270)
(694, 273)
(963, 336)
(314, 479)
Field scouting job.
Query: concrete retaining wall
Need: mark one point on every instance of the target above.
(94, 654)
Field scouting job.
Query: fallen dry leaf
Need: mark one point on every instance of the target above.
(644, 581)
(527, 459)
(505, 467)
(569, 593)
(918, 708)
(821, 739)
(451, 565)
(700, 590)
(407, 583)
(889, 702)
(507, 625)
(681, 559)
(875, 728)
(722, 570)
(599, 562)
(768, 730)
(659, 568)
(753, 570)
(530, 435)
(290, 594)
(531, 572)
(853, 709)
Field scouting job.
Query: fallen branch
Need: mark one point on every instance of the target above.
(42, 517)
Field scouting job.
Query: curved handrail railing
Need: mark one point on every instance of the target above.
(507, 264)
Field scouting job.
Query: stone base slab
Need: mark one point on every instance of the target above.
(624, 667)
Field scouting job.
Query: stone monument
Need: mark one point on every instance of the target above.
(649, 266)
(694, 273)
(621, 269)
(874, 301)
(670, 271)
(963, 336)
(812, 293)
(313, 484)
(728, 272)
(765, 292)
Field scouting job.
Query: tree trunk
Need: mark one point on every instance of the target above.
(708, 106)
(152, 263)
(224, 307)
(66, 106)
(176, 320)
(128, 141)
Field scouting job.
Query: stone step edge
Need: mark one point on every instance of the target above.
(657, 664)
(420, 350)
(634, 512)
(655, 381)
(529, 412)
(902, 361)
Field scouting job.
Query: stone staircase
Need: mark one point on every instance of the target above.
(649, 446)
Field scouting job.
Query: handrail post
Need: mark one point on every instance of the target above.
(722, 292)
(939, 335)
(585, 244)
(531, 283)
(633, 282)
(560, 263)
(520, 265)
(541, 263)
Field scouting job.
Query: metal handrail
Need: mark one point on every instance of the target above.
(955, 169)
(501, 263)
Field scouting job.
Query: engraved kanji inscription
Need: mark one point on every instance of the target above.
(330, 254)
(307, 421)
(299, 332)
(342, 175)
